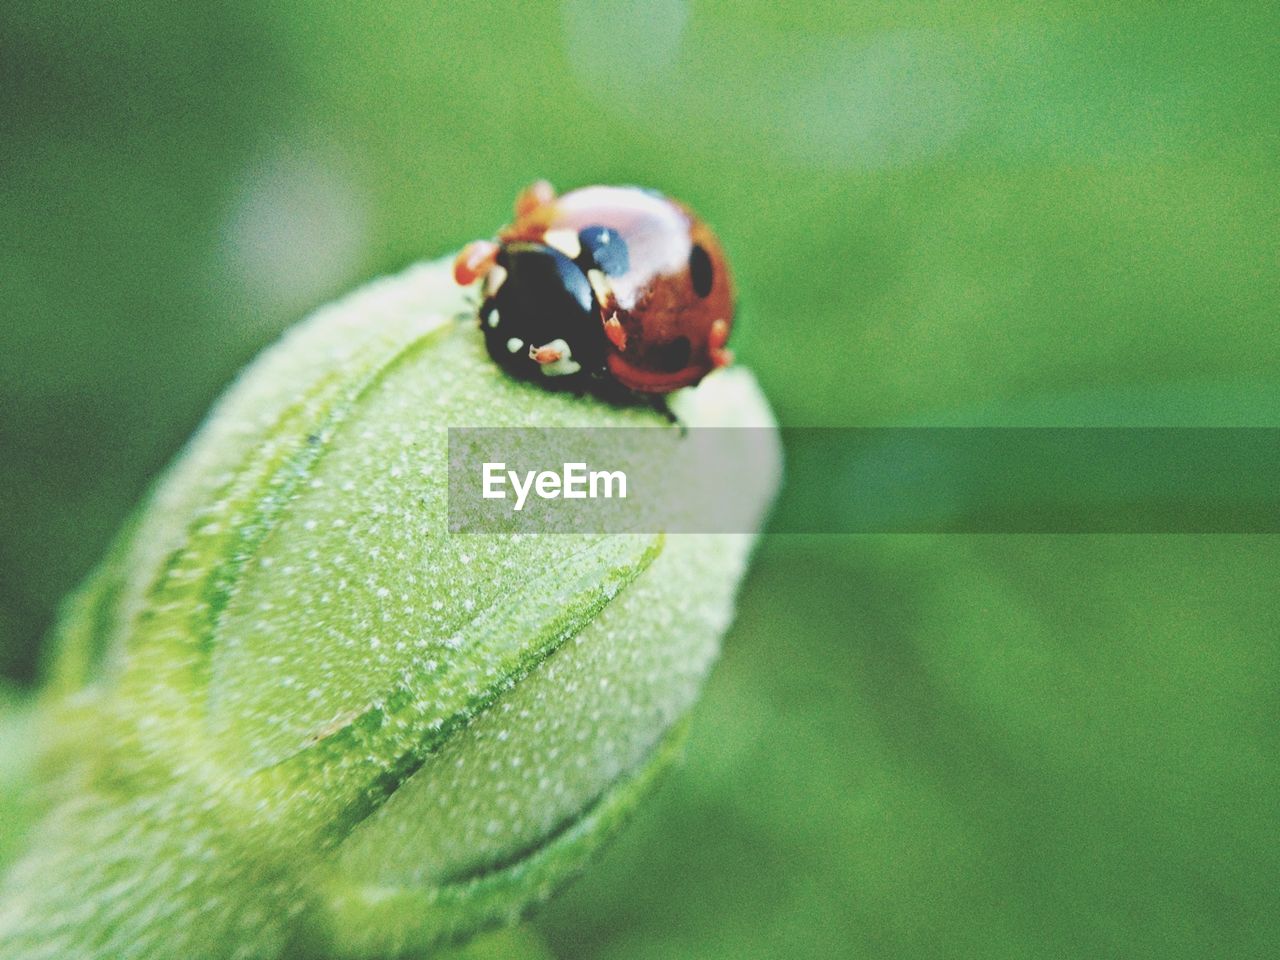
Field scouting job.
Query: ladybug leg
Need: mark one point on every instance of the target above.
(537, 194)
(716, 340)
(545, 355)
(555, 358)
(658, 401)
(475, 261)
(613, 330)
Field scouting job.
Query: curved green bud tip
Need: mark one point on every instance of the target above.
(291, 715)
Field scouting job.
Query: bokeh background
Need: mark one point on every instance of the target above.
(997, 212)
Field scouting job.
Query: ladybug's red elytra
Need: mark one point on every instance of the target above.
(601, 286)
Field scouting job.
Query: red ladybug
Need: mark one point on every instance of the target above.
(603, 286)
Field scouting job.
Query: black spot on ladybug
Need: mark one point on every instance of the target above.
(672, 356)
(604, 248)
(700, 270)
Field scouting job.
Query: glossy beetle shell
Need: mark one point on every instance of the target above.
(604, 284)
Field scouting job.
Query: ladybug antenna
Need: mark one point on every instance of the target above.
(537, 194)
(475, 261)
(716, 340)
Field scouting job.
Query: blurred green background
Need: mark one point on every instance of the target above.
(988, 213)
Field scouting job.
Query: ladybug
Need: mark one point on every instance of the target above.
(603, 288)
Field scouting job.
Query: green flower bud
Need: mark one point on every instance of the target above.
(290, 715)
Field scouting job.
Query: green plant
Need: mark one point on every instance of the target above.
(289, 715)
